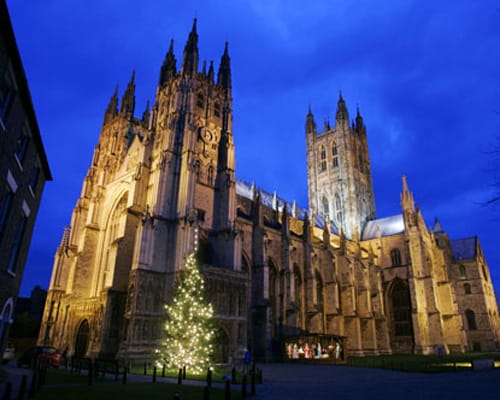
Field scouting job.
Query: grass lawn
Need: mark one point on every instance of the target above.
(420, 363)
(134, 391)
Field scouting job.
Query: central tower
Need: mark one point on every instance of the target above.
(338, 171)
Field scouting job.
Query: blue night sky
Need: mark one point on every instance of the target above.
(425, 75)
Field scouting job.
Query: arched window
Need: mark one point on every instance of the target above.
(401, 309)
(326, 208)
(322, 158)
(467, 288)
(334, 149)
(395, 257)
(338, 210)
(471, 320)
(461, 270)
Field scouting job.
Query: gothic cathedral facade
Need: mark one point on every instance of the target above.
(158, 183)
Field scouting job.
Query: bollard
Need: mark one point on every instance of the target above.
(233, 375)
(124, 381)
(209, 377)
(206, 393)
(227, 390)
(179, 378)
(90, 373)
(154, 374)
(259, 376)
(163, 371)
(244, 386)
(253, 383)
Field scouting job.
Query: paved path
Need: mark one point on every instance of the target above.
(318, 382)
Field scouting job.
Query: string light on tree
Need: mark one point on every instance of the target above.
(188, 328)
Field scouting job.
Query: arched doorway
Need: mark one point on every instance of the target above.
(82, 339)
(401, 318)
(221, 347)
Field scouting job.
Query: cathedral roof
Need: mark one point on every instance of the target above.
(464, 249)
(247, 190)
(384, 227)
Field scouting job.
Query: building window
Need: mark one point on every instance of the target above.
(338, 210)
(334, 149)
(401, 309)
(217, 109)
(21, 147)
(326, 208)
(5, 205)
(335, 162)
(471, 320)
(395, 257)
(201, 215)
(467, 288)
(461, 270)
(322, 158)
(200, 100)
(16, 245)
(35, 173)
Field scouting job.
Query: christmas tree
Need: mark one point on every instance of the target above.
(188, 328)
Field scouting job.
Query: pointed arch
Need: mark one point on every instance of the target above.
(326, 207)
(82, 339)
(339, 212)
(399, 302)
(322, 158)
(471, 319)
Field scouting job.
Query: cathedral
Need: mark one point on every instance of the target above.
(279, 277)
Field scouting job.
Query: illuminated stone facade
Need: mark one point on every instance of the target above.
(387, 285)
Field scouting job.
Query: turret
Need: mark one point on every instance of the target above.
(128, 99)
(169, 66)
(145, 116)
(342, 114)
(310, 124)
(211, 72)
(407, 202)
(112, 109)
(224, 74)
(190, 57)
(359, 125)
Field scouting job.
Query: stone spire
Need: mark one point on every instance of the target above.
(169, 66)
(190, 56)
(359, 125)
(310, 124)
(211, 72)
(128, 99)
(112, 109)
(342, 114)
(224, 74)
(406, 196)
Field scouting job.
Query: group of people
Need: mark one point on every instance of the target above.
(315, 351)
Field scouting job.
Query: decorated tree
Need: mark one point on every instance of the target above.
(188, 327)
